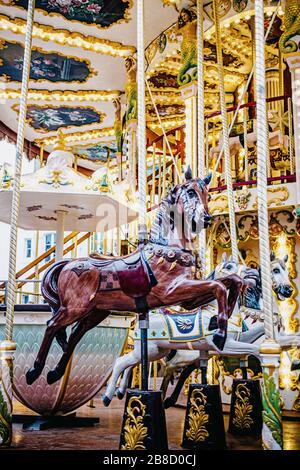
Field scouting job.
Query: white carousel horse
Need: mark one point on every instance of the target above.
(166, 332)
(252, 306)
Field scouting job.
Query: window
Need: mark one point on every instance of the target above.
(25, 299)
(28, 248)
(49, 242)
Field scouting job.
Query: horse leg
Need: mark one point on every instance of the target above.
(124, 383)
(234, 285)
(237, 348)
(219, 337)
(172, 399)
(61, 319)
(128, 361)
(78, 331)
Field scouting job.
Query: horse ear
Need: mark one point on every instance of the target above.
(224, 257)
(208, 178)
(272, 256)
(230, 259)
(285, 258)
(188, 174)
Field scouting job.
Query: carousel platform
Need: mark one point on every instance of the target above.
(106, 435)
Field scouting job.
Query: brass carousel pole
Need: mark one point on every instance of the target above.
(8, 347)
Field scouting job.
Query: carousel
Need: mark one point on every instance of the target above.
(165, 136)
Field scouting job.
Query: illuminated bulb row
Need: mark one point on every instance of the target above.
(63, 37)
(44, 95)
(79, 136)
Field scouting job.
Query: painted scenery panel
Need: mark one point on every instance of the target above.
(50, 118)
(44, 66)
(103, 13)
(97, 153)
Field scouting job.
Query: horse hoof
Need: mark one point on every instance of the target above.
(219, 340)
(53, 375)
(295, 364)
(168, 402)
(106, 400)
(31, 375)
(120, 395)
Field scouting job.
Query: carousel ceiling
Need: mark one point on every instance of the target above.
(77, 67)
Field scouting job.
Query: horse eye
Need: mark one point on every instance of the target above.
(229, 266)
(276, 271)
(191, 192)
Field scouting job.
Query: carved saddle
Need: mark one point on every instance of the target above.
(132, 274)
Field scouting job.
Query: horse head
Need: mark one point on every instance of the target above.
(189, 201)
(228, 266)
(280, 277)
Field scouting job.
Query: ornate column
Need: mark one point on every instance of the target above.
(187, 76)
(118, 135)
(131, 117)
(7, 347)
(270, 350)
(289, 45)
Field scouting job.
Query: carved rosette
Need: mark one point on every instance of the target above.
(6, 394)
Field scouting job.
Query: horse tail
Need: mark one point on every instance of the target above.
(49, 286)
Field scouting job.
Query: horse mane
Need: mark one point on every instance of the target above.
(162, 218)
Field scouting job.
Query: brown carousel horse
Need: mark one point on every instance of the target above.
(161, 273)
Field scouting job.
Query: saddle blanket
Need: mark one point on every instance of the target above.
(184, 327)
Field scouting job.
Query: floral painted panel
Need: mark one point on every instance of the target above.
(44, 65)
(103, 13)
(51, 118)
(97, 153)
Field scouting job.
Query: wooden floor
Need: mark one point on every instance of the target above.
(106, 435)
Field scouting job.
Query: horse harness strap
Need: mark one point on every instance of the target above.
(131, 274)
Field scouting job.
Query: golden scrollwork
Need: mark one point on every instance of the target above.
(92, 72)
(282, 195)
(237, 373)
(65, 37)
(218, 204)
(198, 418)
(242, 408)
(134, 430)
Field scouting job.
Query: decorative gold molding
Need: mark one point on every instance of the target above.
(125, 19)
(198, 419)
(92, 72)
(61, 95)
(79, 136)
(277, 200)
(242, 408)
(65, 37)
(134, 430)
(218, 204)
(101, 115)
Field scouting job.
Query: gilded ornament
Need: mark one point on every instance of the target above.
(79, 136)
(242, 408)
(173, 265)
(242, 200)
(134, 430)
(198, 419)
(287, 43)
(160, 260)
(61, 96)
(187, 27)
(283, 194)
